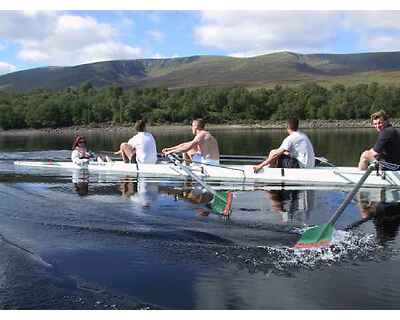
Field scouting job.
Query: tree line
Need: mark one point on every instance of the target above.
(87, 105)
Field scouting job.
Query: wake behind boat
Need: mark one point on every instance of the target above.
(323, 176)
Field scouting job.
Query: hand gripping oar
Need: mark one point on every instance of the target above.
(222, 201)
(320, 236)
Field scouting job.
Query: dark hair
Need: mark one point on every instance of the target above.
(381, 114)
(200, 123)
(140, 125)
(77, 140)
(293, 124)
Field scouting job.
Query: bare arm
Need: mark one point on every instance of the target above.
(273, 155)
(183, 147)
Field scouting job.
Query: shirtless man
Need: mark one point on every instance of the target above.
(203, 148)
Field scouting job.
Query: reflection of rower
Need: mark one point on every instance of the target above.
(140, 192)
(385, 217)
(80, 179)
(128, 188)
(292, 204)
(196, 195)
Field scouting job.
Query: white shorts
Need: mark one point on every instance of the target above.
(198, 158)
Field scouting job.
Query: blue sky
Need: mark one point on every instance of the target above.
(31, 39)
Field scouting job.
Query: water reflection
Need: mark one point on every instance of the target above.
(232, 141)
(191, 193)
(80, 180)
(140, 191)
(292, 205)
(106, 238)
(385, 217)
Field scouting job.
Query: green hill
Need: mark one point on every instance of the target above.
(211, 71)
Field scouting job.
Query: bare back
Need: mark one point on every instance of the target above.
(207, 145)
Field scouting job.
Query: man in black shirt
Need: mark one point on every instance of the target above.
(387, 147)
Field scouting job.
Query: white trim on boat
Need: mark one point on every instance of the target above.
(328, 176)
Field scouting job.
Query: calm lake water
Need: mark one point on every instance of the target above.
(94, 241)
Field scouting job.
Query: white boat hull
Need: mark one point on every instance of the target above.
(327, 176)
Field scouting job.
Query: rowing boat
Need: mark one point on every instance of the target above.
(326, 176)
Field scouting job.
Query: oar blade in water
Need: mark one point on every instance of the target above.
(222, 203)
(316, 237)
(320, 236)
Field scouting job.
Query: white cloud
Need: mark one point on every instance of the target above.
(155, 18)
(126, 23)
(375, 30)
(156, 35)
(33, 55)
(267, 31)
(74, 32)
(23, 25)
(246, 54)
(380, 43)
(6, 67)
(377, 20)
(64, 39)
(110, 51)
(158, 56)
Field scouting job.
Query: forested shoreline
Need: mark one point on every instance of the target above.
(87, 106)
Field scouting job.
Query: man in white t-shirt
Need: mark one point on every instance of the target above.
(296, 151)
(142, 145)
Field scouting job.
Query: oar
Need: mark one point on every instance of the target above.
(324, 160)
(222, 201)
(113, 156)
(320, 236)
(254, 158)
(240, 158)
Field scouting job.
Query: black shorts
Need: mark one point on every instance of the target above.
(286, 161)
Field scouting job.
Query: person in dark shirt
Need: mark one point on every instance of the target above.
(387, 147)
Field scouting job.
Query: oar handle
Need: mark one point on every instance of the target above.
(324, 160)
(351, 194)
(218, 166)
(175, 160)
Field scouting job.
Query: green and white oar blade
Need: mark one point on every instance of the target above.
(315, 237)
(222, 203)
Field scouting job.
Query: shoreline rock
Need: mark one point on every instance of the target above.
(269, 124)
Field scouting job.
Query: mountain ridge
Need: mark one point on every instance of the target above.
(213, 70)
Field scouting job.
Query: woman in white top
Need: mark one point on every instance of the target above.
(80, 154)
(142, 145)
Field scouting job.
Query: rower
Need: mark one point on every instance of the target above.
(80, 154)
(296, 151)
(142, 146)
(387, 147)
(202, 149)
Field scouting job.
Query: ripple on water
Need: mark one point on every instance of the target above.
(346, 247)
